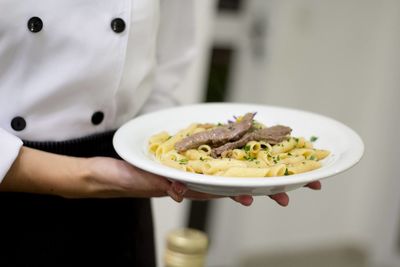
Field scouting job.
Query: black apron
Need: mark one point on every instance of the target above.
(43, 230)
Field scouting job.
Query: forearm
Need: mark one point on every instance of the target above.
(39, 172)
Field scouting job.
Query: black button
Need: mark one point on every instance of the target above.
(18, 123)
(35, 24)
(118, 25)
(97, 117)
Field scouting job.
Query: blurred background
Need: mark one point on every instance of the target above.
(339, 58)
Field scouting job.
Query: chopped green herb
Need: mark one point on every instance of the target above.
(169, 137)
(289, 154)
(247, 148)
(296, 139)
(183, 161)
(201, 158)
(275, 161)
(313, 138)
(257, 162)
(286, 172)
(249, 158)
(257, 125)
(219, 124)
(313, 157)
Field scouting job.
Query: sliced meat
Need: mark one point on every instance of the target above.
(273, 135)
(217, 136)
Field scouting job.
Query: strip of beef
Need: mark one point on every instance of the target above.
(273, 135)
(217, 136)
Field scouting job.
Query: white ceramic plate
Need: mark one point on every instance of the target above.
(131, 140)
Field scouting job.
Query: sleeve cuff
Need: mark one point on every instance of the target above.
(10, 146)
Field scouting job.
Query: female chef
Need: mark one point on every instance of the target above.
(71, 73)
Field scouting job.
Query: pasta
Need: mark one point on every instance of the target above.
(254, 157)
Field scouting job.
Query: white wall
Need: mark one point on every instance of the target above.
(342, 59)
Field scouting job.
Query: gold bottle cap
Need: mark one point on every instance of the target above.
(174, 259)
(187, 241)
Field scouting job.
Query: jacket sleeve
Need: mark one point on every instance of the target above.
(9, 147)
(175, 51)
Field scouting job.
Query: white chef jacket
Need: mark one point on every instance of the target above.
(72, 68)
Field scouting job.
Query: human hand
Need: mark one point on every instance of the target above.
(39, 172)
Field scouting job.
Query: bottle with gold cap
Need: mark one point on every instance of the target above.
(186, 248)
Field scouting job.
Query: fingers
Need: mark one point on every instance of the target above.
(316, 185)
(175, 196)
(245, 200)
(177, 191)
(281, 198)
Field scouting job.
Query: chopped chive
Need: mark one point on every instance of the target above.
(286, 172)
(249, 158)
(183, 161)
(313, 138)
